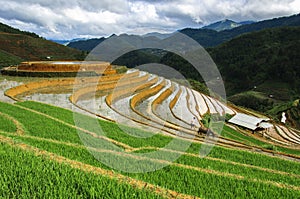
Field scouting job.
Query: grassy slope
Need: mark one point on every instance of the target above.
(9, 29)
(29, 48)
(7, 59)
(52, 136)
(17, 46)
(23, 175)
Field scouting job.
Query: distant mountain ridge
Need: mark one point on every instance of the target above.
(210, 38)
(90, 44)
(158, 35)
(226, 25)
(86, 45)
(67, 42)
(62, 42)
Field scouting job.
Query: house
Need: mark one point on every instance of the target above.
(250, 122)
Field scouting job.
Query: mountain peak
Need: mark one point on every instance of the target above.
(222, 25)
(227, 20)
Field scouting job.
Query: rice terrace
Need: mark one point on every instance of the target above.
(43, 153)
(150, 99)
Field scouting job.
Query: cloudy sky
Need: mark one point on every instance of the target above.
(61, 19)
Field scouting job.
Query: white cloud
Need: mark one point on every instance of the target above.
(84, 16)
(69, 19)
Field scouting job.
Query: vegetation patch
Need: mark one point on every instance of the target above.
(253, 100)
(6, 124)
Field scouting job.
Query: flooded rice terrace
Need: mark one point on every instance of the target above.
(60, 97)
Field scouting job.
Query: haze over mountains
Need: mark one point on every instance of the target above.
(211, 35)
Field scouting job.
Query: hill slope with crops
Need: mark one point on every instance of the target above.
(49, 156)
(17, 46)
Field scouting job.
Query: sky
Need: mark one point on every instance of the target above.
(62, 19)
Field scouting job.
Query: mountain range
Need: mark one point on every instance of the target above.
(85, 45)
(209, 36)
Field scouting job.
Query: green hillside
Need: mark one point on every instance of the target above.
(17, 46)
(266, 57)
(7, 59)
(9, 29)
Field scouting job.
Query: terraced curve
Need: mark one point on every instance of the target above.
(156, 104)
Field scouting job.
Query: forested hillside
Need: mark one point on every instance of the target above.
(250, 60)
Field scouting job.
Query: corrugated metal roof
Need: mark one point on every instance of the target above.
(248, 121)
